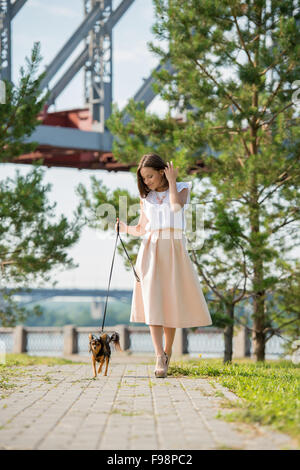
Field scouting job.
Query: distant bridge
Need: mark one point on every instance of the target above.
(28, 296)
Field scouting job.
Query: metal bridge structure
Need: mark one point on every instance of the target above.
(77, 138)
(37, 294)
(97, 297)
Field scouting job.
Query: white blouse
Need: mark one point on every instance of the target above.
(160, 215)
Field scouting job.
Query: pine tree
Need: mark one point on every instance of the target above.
(31, 242)
(235, 71)
(18, 113)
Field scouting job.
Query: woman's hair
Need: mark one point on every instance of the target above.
(154, 161)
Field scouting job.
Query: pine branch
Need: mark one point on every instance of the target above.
(267, 123)
(275, 331)
(273, 65)
(281, 183)
(212, 227)
(216, 83)
(271, 97)
(242, 40)
(4, 263)
(13, 251)
(242, 138)
(210, 284)
(286, 221)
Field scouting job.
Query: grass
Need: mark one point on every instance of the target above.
(26, 360)
(126, 413)
(270, 391)
(15, 367)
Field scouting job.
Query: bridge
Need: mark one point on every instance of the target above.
(78, 138)
(97, 296)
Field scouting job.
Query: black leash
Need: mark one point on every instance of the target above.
(136, 276)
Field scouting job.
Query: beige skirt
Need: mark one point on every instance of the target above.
(169, 292)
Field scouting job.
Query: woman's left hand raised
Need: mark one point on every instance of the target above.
(171, 173)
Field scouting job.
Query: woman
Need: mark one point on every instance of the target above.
(169, 294)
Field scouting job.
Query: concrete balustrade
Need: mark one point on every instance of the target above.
(70, 343)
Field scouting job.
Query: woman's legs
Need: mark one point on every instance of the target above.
(169, 339)
(157, 339)
(156, 334)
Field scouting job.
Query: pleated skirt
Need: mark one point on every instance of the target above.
(169, 292)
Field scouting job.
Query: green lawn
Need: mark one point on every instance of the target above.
(26, 360)
(270, 391)
(16, 366)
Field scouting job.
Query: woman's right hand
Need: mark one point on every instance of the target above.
(122, 226)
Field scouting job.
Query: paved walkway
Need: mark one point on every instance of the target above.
(63, 407)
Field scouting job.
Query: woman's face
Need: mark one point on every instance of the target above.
(153, 178)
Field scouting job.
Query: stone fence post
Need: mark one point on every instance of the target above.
(70, 340)
(20, 339)
(241, 343)
(124, 335)
(180, 345)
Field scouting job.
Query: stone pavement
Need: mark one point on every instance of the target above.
(63, 407)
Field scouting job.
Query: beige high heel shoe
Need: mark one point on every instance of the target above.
(169, 358)
(161, 367)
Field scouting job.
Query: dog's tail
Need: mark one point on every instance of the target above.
(115, 338)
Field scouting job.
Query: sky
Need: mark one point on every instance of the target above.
(52, 23)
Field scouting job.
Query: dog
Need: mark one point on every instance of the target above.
(101, 351)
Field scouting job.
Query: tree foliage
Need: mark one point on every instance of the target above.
(234, 74)
(18, 115)
(32, 242)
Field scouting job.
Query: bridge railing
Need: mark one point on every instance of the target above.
(69, 339)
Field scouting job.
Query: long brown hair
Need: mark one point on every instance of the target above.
(150, 160)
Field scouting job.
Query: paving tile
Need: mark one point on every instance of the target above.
(63, 407)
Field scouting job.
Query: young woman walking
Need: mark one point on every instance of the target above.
(169, 294)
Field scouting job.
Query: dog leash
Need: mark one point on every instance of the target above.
(136, 276)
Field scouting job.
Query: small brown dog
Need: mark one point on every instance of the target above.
(101, 350)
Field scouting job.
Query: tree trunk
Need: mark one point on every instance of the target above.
(259, 344)
(259, 338)
(228, 336)
(256, 242)
(258, 278)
